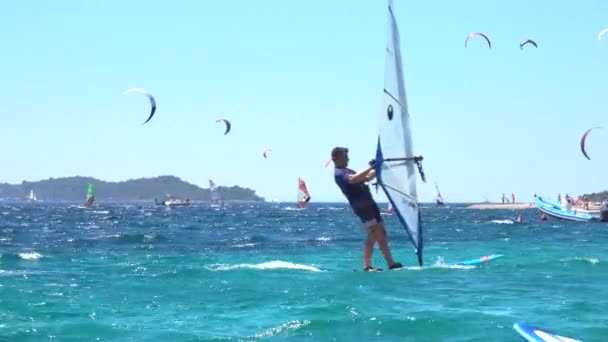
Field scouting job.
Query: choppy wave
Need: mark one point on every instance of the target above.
(183, 273)
(590, 260)
(503, 221)
(281, 329)
(30, 256)
(271, 265)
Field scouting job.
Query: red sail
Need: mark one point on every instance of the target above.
(303, 195)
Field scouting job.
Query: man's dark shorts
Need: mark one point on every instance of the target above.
(369, 214)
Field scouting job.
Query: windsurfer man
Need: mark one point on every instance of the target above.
(361, 201)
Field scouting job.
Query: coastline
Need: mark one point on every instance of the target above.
(502, 206)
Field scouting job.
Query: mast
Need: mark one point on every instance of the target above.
(396, 164)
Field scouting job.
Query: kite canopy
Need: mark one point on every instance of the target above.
(477, 34)
(602, 33)
(150, 98)
(527, 41)
(584, 141)
(228, 125)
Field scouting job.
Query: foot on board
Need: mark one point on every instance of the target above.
(395, 266)
(372, 269)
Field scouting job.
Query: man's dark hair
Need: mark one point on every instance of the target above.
(338, 151)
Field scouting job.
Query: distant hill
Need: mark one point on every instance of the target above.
(597, 196)
(75, 188)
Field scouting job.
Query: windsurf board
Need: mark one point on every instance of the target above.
(535, 334)
(477, 261)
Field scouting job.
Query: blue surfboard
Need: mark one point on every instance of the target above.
(476, 261)
(535, 334)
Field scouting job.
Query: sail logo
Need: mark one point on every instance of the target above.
(389, 112)
(407, 202)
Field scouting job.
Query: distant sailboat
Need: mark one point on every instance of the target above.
(216, 199)
(90, 196)
(390, 208)
(32, 196)
(303, 195)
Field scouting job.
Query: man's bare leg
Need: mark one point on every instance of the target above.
(380, 236)
(368, 249)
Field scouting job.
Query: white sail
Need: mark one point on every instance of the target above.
(396, 164)
(32, 196)
(216, 198)
(439, 198)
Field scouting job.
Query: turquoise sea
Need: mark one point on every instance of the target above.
(250, 272)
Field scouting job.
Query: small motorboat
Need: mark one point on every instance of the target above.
(172, 201)
(556, 210)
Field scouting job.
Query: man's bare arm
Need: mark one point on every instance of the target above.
(362, 176)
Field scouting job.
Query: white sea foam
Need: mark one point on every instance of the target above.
(590, 260)
(503, 221)
(271, 265)
(30, 256)
(289, 326)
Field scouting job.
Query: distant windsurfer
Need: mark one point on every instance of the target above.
(361, 201)
(89, 202)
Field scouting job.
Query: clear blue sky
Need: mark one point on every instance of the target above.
(300, 77)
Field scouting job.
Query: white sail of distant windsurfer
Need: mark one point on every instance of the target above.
(32, 196)
(395, 160)
(216, 199)
(439, 198)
